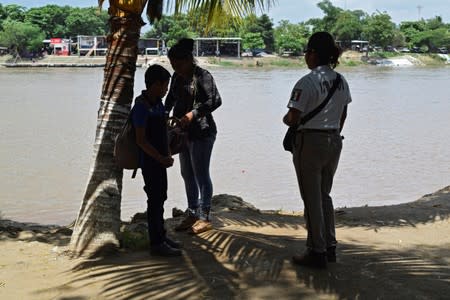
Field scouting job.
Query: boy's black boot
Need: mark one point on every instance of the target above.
(311, 259)
(331, 254)
(164, 250)
(173, 243)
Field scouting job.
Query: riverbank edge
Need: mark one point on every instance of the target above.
(348, 59)
(429, 208)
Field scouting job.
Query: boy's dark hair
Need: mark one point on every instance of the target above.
(182, 49)
(156, 73)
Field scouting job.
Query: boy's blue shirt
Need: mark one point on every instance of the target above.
(153, 119)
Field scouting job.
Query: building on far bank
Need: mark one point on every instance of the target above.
(91, 45)
(58, 46)
(217, 46)
(152, 46)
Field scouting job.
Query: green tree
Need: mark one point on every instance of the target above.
(97, 226)
(171, 29)
(291, 37)
(411, 29)
(267, 32)
(50, 18)
(21, 37)
(14, 12)
(228, 26)
(331, 14)
(2, 15)
(258, 25)
(86, 21)
(252, 40)
(379, 29)
(427, 34)
(349, 25)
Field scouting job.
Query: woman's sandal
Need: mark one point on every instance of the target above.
(200, 226)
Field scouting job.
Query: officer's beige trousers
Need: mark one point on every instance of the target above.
(316, 157)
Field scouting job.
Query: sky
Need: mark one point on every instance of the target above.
(301, 10)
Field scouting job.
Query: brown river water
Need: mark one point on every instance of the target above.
(396, 147)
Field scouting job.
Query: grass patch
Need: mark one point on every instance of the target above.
(227, 63)
(134, 240)
(351, 63)
(286, 62)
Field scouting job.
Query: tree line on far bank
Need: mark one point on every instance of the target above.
(23, 30)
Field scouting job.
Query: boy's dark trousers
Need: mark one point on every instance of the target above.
(155, 179)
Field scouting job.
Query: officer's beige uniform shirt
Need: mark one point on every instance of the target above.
(312, 89)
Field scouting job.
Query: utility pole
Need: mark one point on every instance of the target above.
(419, 10)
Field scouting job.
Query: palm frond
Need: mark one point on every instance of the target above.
(215, 9)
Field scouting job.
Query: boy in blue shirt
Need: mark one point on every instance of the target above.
(149, 120)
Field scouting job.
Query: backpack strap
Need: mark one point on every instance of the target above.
(314, 112)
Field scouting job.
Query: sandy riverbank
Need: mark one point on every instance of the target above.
(348, 58)
(389, 252)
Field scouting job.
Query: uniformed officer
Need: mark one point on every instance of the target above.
(318, 145)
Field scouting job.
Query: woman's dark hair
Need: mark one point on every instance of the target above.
(182, 49)
(323, 44)
(156, 73)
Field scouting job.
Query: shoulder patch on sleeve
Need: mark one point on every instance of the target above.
(295, 95)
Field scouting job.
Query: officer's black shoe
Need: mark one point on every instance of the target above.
(173, 243)
(164, 250)
(331, 254)
(311, 259)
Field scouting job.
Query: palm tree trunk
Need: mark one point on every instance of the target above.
(98, 223)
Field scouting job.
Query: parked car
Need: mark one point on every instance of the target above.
(443, 50)
(404, 50)
(391, 49)
(416, 50)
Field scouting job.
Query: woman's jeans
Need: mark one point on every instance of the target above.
(194, 164)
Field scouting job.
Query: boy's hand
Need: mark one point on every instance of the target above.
(166, 161)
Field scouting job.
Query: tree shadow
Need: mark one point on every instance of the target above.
(368, 273)
(429, 208)
(238, 261)
(30, 232)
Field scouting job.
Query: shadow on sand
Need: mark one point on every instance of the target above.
(236, 261)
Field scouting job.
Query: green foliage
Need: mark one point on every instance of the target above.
(351, 63)
(256, 31)
(259, 25)
(14, 12)
(171, 29)
(226, 63)
(266, 28)
(86, 21)
(134, 240)
(252, 40)
(331, 14)
(291, 37)
(50, 18)
(379, 29)
(21, 37)
(426, 34)
(286, 62)
(349, 25)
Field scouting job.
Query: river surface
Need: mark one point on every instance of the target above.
(396, 147)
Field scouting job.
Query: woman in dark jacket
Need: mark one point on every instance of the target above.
(193, 96)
